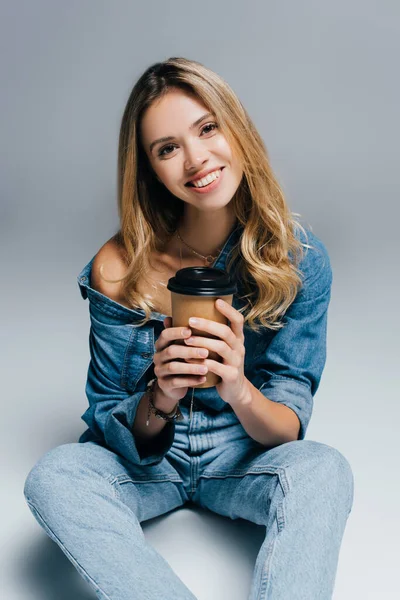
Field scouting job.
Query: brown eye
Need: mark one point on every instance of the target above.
(213, 125)
(162, 153)
(165, 150)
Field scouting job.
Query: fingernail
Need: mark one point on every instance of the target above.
(186, 332)
(193, 321)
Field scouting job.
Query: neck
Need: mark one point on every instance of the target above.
(206, 233)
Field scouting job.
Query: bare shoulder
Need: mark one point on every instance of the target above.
(109, 264)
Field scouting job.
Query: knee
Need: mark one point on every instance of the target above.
(49, 474)
(331, 472)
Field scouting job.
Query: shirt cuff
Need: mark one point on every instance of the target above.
(119, 434)
(114, 429)
(293, 394)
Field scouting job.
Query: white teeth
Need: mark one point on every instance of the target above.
(208, 179)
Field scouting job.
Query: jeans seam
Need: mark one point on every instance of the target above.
(160, 479)
(265, 581)
(194, 478)
(280, 517)
(115, 488)
(280, 524)
(56, 539)
(279, 471)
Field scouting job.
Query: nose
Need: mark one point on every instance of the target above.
(195, 156)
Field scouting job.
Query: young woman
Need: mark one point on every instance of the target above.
(195, 188)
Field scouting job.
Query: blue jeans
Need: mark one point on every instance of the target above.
(91, 502)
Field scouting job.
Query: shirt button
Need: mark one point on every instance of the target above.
(83, 278)
(145, 354)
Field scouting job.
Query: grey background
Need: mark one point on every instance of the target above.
(320, 80)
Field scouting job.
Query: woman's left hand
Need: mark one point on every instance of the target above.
(230, 347)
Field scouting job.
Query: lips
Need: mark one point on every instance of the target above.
(190, 183)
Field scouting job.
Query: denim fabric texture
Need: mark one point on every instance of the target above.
(285, 365)
(91, 496)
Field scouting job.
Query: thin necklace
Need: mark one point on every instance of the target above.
(209, 261)
(209, 258)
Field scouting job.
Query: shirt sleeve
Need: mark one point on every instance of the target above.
(112, 405)
(290, 369)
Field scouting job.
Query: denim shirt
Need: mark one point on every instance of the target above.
(285, 365)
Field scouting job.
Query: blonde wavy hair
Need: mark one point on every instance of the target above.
(266, 260)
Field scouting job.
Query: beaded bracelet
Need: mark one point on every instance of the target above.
(174, 415)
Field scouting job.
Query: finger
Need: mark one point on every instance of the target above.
(226, 372)
(218, 346)
(175, 351)
(169, 335)
(235, 317)
(180, 368)
(180, 381)
(224, 332)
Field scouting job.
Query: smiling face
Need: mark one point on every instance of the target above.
(194, 146)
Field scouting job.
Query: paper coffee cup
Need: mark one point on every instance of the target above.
(194, 291)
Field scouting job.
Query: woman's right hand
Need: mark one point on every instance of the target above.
(174, 377)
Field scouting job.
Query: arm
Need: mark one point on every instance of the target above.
(286, 364)
(266, 421)
(276, 407)
(115, 409)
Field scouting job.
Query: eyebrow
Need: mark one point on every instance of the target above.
(170, 137)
